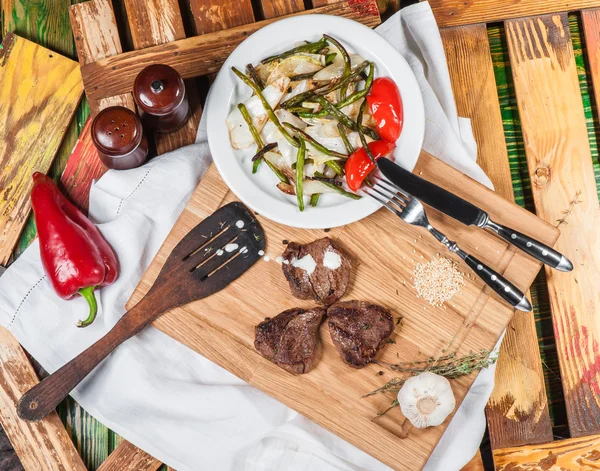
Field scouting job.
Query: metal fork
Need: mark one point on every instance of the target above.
(409, 209)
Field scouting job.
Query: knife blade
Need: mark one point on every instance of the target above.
(469, 214)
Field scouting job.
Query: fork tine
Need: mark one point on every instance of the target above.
(383, 202)
(391, 195)
(395, 188)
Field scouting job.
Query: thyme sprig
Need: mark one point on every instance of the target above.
(451, 366)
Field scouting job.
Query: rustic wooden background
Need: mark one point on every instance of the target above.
(47, 22)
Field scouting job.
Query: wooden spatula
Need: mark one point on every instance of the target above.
(212, 255)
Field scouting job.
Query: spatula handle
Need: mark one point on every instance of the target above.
(45, 396)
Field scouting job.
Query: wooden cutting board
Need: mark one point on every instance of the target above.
(39, 93)
(385, 251)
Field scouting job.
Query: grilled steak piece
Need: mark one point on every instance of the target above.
(291, 339)
(319, 270)
(358, 330)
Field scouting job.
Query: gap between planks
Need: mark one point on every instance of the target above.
(517, 411)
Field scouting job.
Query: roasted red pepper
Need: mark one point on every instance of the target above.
(74, 254)
(359, 165)
(386, 107)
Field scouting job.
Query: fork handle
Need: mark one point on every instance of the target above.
(504, 288)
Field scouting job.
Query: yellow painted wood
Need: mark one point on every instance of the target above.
(39, 93)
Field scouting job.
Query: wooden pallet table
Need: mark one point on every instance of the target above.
(558, 156)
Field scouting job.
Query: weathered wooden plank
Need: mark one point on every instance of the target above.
(574, 454)
(518, 409)
(195, 56)
(82, 169)
(277, 8)
(461, 12)
(127, 457)
(591, 27)
(476, 464)
(154, 22)
(215, 15)
(43, 445)
(159, 22)
(564, 191)
(36, 107)
(97, 37)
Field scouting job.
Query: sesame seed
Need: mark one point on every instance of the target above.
(437, 281)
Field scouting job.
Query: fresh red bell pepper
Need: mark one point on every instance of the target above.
(74, 254)
(359, 165)
(386, 107)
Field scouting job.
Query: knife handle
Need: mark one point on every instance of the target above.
(504, 288)
(536, 249)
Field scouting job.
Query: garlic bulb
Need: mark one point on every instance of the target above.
(426, 400)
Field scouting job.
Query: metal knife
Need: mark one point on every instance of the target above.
(469, 214)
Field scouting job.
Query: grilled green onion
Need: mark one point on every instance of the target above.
(325, 89)
(318, 114)
(263, 151)
(347, 62)
(253, 130)
(300, 174)
(341, 191)
(309, 47)
(363, 140)
(277, 172)
(295, 78)
(313, 142)
(345, 140)
(329, 58)
(362, 93)
(266, 106)
(314, 199)
(254, 76)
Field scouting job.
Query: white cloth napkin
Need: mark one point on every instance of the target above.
(162, 396)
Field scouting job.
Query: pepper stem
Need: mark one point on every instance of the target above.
(88, 295)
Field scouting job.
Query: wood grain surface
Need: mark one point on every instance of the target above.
(127, 457)
(590, 20)
(461, 12)
(517, 411)
(564, 188)
(574, 454)
(97, 37)
(215, 15)
(154, 23)
(476, 464)
(331, 394)
(41, 446)
(195, 56)
(34, 102)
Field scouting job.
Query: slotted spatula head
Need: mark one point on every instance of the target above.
(212, 255)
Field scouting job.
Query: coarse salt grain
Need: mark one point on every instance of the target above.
(437, 281)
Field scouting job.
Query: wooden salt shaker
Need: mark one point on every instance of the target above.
(118, 135)
(159, 92)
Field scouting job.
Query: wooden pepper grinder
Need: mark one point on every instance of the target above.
(118, 135)
(159, 92)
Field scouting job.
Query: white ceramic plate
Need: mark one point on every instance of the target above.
(259, 191)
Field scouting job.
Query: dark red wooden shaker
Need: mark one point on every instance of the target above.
(118, 135)
(159, 92)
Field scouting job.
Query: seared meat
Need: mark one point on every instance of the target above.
(358, 330)
(291, 339)
(319, 270)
